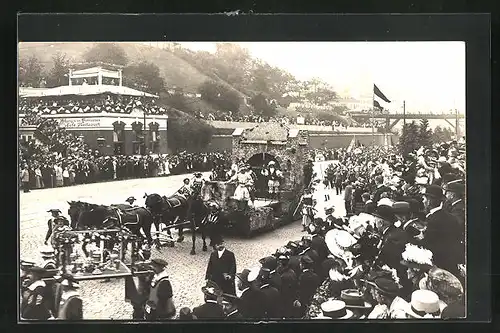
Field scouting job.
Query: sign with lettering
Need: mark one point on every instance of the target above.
(80, 122)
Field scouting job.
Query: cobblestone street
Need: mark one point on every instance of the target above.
(105, 300)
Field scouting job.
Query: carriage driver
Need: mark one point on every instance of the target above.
(130, 200)
(273, 175)
(185, 190)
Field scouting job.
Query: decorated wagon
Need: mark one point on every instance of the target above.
(258, 147)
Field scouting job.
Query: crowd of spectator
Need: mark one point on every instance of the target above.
(103, 104)
(56, 171)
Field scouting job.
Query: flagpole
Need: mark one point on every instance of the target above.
(404, 113)
(373, 115)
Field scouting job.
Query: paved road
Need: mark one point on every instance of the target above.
(105, 300)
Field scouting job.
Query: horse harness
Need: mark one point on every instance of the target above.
(127, 217)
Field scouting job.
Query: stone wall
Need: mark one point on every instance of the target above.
(290, 156)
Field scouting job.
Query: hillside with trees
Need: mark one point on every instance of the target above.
(228, 80)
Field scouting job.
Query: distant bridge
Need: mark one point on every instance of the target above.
(398, 116)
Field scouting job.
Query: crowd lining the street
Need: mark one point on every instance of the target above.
(399, 253)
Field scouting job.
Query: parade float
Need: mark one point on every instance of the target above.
(257, 146)
(97, 254)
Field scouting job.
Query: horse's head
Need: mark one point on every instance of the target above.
(153, 201)
(92, 215)
(75, 208)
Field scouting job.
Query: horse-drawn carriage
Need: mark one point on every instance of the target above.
(259, 215)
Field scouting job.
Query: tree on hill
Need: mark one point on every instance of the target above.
(220, 96)
(424, 134)
(144, 76)
(262, 106)
(59, 71)
(409, 139)
(30, 72)
(110, 53)
(233, 63)
(188, 133)
(319, 92)
(178, 101)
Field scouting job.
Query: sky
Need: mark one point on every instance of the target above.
(428, 76)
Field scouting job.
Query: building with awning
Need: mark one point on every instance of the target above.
(111, 132)
(82, 90)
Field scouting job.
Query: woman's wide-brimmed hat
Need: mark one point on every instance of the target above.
(444, 284)
(386, 286)
(339, 242)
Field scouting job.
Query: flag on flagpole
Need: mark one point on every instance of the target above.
(379, 94)
(378, 98)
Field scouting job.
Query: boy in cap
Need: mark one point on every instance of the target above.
(35, 302)
(160, 304)
(56, 225)
(211, 309)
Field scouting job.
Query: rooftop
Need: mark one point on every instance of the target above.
(81, 90)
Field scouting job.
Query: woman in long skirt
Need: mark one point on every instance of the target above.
(38, 177)
(166, 166)
(59, 176)
(72, 175)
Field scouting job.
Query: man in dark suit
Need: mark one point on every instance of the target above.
(270, 264)
(233, 313)
(211, 309)
(289, 286)
(252, 301)
(443, 234)
(273, 296)
(455, 191)
(318, 244)
(369, 204)
(308, 283)
(307, 250)
(221, 267)
(393, 240)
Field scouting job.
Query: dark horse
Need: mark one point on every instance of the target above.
(176, 210)
(90, 216)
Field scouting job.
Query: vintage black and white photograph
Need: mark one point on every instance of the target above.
(242, 181)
